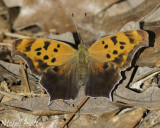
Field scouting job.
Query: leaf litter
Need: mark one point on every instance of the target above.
(132, 107)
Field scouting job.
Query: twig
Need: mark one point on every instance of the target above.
(18, 97)
(136, 85)
(15, 35)
(74, 112)
(25, 77)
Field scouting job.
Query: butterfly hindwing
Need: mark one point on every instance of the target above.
(102, 78)
(58, 82)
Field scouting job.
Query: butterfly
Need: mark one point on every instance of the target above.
(60, 67)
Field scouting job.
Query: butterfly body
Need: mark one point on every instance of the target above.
(61, 68)
(82, 64)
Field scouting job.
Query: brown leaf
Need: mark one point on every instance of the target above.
(47, 14)
(4, 25)
(126, 120)
(11, 118)
(151, 120)
(148, 99)
(52, 14)
(150, 56)
(114, 24)
(86, 6)
(101, 24)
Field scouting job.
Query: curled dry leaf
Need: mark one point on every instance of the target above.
(150, 56)
(148, 99)
(145, 79)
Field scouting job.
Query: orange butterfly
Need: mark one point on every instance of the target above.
(60, 67)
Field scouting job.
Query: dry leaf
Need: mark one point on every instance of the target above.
(48, 14)
(152, 120)
(101, 24)
(148, 99)
(4, 25)
(126, 120)
(130, 118)
(114, 24)
(11, 118)
(150, 56)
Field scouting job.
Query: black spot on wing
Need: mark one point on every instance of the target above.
(53, 60)
(131, 40)
(41, 65)
(38, 53)
(38, 49)
(58, 45)
(114, 39)
(46, 44)
(29, 44)
(119, 59)
(105, 65)
(121, 47)
(129, 35)
(17, 42)
(103, 42)
(45, 57)
(122, 43)
(115, 52)
(106, 46)
(56, 69)
(108, 56)
(55, 50)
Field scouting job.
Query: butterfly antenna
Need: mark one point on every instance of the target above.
(85, 14)
(84, 22)
(77, 28)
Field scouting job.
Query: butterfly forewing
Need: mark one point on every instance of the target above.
(119, 48)
(42, 53)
